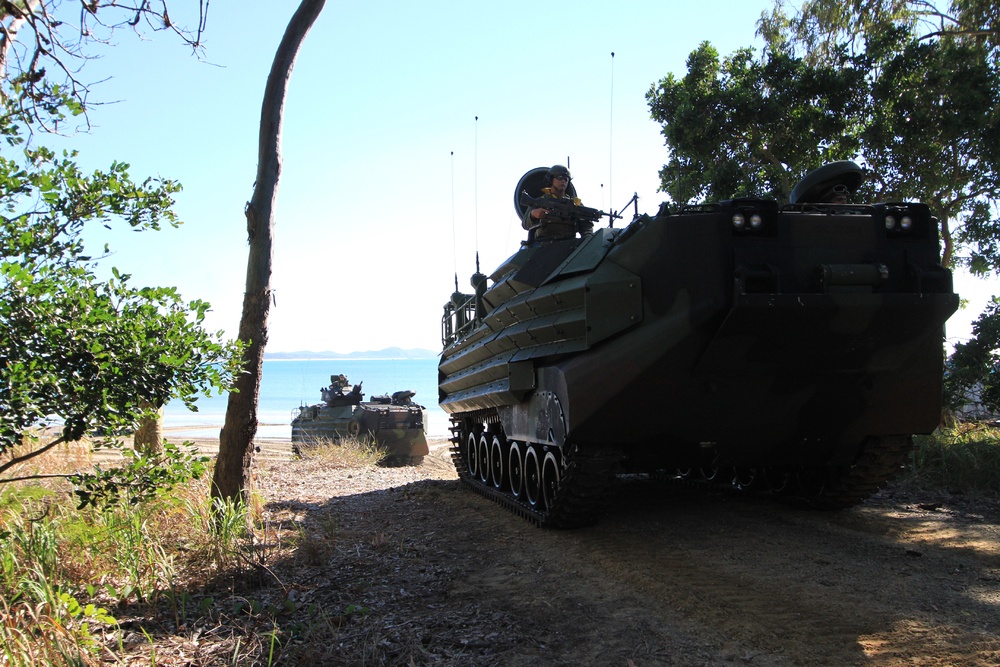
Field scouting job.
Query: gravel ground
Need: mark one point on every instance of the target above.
(406, 566)
(670, 576)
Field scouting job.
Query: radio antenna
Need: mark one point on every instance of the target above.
(611, 128)
(454, 229)
(476, 185)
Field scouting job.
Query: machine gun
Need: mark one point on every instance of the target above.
(562, 209)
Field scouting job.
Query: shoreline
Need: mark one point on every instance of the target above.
(281, 449)
(212, 441)
(211, 432)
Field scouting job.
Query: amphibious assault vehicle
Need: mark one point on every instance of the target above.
(395, 423)
(791, 349)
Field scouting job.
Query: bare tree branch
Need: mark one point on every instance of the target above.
(42, 53)
(30, 455)
(25, 478)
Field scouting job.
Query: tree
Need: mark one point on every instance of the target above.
(88, 351)
(909, 91)
(91, 353)
(972, 373)
(43, 44)
(820, 27)
(752, 127)
(911, 111)
(232, 469)
(933, 89)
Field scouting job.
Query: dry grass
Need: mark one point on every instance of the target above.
(63, 459)
(77, 586)
(344, 453)
(166, 570)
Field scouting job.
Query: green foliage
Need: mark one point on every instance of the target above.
(143, 477)
(962, 459)
(17, 496)
(822, 26)
(228, 520)
(61, 569)
(41, 622)
(88, 352)
(743, 126)
(909, 110)
(972, 374)
(929, 128)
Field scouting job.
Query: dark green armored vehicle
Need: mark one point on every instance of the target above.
(791, 349)
(395, 423)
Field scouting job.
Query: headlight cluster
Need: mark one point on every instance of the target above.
(750, 217)
(743, 221)
(905, 222)
(905, 219)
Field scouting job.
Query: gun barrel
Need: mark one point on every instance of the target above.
(564, 207)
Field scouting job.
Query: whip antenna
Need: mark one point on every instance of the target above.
(454, 231)
(611, 143)
(476, 185)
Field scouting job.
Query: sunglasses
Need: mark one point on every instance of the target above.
(560, 178)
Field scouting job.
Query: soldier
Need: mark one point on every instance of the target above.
(336, 389)
(838, 194)
(542, 227)
(833, 183)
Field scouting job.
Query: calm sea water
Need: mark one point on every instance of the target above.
(285, 385)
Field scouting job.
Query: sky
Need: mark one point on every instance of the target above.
(407, 126)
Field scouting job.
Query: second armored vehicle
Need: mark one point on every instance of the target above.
(395, 423)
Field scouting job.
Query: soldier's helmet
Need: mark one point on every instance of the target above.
(558, 170)
(555, 170)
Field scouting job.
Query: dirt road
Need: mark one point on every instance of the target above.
(670, 576)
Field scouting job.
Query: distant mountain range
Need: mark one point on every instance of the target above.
(387, 353)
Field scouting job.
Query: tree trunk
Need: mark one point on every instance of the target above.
(149, 438)
(232, 468)
(947, 244)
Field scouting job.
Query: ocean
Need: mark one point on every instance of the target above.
(287, 384)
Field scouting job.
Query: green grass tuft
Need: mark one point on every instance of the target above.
(964, 458)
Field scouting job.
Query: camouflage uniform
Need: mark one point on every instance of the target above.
(555, 229)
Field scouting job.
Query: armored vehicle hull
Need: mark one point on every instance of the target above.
(394, 423)
(793, 350)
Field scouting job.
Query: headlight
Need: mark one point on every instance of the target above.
(890, 222)
(738, 221)
(756, 221)
(906, 222)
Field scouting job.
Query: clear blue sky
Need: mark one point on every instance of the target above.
(389, 182)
